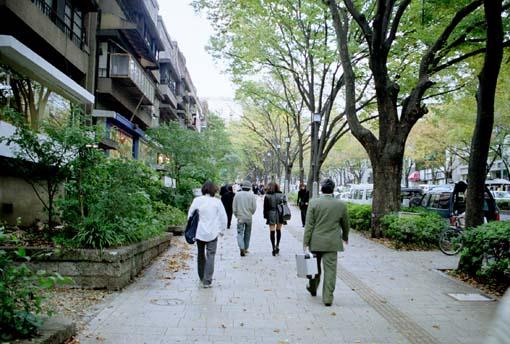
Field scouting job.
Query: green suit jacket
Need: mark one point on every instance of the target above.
(327, 224)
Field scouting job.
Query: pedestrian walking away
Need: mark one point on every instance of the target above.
(211, 224)
(244, 206)
(273, 198)
(227, 199)
(302, 200)
(327, 225)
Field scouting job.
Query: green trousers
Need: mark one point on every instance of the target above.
(329, 261)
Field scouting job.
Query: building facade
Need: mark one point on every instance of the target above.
(113, 58)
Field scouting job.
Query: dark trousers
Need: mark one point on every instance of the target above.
(205, 259)
(304, 209)
(229, 218)
(329, 260)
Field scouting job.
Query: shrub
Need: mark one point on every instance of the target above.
(20, 294)
(170, 216)
(360, 216)
(486, 253)
(421, 229)
(292, 197)
(110, 203)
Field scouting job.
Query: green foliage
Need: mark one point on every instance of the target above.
(193, 157)
(360, 216)
(45, 160)
(20, 294)
(292, 197)
(421, 229)
(486, 253)
(170, 216)
(112, 202)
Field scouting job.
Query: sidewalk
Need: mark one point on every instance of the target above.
(382, 296)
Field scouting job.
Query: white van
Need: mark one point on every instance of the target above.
(361, 193)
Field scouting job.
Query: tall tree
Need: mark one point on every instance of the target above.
(293, 42)
(396, 39)
(488, 79)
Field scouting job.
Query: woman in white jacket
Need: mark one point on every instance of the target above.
(212, 222)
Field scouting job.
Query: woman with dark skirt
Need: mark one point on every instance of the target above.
(272, 199)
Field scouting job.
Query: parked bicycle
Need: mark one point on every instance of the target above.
(451, 238)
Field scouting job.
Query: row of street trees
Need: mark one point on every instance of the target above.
(369, 67)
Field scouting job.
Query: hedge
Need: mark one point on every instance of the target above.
(486, 253)
(360, 216)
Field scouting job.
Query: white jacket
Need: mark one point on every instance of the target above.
(212, 217)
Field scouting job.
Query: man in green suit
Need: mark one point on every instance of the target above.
(327, 225)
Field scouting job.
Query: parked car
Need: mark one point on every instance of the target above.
(502, 199)
(406, 194)
(448, 200)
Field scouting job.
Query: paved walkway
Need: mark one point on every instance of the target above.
(382, 296)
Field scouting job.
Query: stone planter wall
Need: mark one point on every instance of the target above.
(110, 269)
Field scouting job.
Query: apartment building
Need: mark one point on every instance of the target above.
(47, 51)
(112, 57)
(179, 100)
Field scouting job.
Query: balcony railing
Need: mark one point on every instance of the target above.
(125, 66)
(59, 22)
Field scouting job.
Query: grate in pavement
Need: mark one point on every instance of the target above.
(167, 302)
(470, 297)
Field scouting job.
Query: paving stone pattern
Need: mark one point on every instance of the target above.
(382, 296)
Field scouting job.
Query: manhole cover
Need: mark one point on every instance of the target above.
(470, 297)
(166, 302)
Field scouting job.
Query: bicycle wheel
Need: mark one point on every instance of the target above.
(450, 241)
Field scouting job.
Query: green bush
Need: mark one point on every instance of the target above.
(486, 252)
(112, 203)
(170, 216)
(360, 216)
(292, 197)
(20, 294)
(422, 229)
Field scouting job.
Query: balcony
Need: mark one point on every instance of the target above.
(79, 40)
(126, 68)
(168, 93)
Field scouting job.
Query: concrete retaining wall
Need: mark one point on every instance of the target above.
(110, 269)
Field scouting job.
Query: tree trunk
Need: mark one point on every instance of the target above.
(480, 142)
(387, 173)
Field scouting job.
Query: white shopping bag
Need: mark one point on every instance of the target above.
(306, 264)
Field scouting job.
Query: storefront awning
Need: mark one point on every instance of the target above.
(27, 62)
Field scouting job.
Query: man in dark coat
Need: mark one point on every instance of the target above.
(228, 199)
(303, 198)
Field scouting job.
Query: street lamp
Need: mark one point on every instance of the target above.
(287, 169)
(316, 122)
(278, 162)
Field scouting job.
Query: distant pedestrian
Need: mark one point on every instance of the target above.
(273, 198)
(245, 205)
(303, 198)
(327, 224)
(212, 223)
(261, 189)
(227, 199)
(223, 190)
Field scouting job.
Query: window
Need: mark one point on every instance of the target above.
(425, 200)
(434, 201)
(125, 142)
(444, 200)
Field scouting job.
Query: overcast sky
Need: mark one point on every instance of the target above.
(192, 32)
